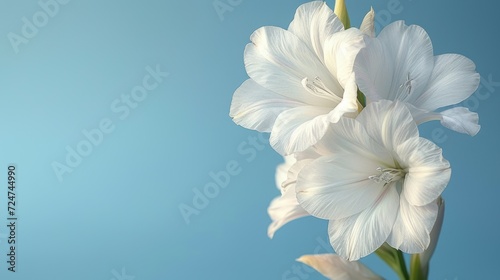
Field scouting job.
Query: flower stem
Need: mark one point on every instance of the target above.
(417, 272)
(395, 259)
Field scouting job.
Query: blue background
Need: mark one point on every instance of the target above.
(116, 214)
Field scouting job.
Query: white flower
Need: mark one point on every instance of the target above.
(376, 181)
(399, 64)
(301, 79)
(336, 268)
(285, 208)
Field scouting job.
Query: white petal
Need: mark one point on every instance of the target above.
(279, 61)
(337, 186)
(453, 80)
(360, 235)
(284, 209)
(428, 172)
(436, 230)
(352, 137)
(349, 104)
(368, 24)
(389, 123)
(398, 53)
(293, 171)
(313, 23)
(340, 51)
(411, 231)
(459, 119)
(462, 120)
(299, 128)
(336, 268)
(257, 108)
(421, 116)
(282, 171)
(374, 83)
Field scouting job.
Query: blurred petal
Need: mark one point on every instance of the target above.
(284, 209)
(336, 268)
(282, 171)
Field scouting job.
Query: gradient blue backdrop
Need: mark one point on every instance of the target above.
(116, 215)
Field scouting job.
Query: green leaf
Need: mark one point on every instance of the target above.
(341, 11)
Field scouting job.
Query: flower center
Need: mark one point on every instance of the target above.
(318, 88)
(387, 175)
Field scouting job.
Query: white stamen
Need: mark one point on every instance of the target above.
(387, 175)
(318, 88)
(405, 88)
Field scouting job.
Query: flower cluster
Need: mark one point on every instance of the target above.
(343, 105)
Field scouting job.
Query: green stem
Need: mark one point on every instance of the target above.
(417, 272)
(395, 259)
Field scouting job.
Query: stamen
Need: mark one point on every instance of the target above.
(318, 88)
(387, 175)
(405, 88)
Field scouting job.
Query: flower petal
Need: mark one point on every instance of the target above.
(411, 231)
(395, 65)
(460, 119)
(313, 23)
(279, 61)
(336, 268)
(299, 128)
(282, 171)
(293, 172)
(368, 24)
(257, 108)
(389, 123)
(425, 257)
(428, 172)
(337, 186)
(340, 52)
(284, 209)
(361, 234)
(453, 80)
